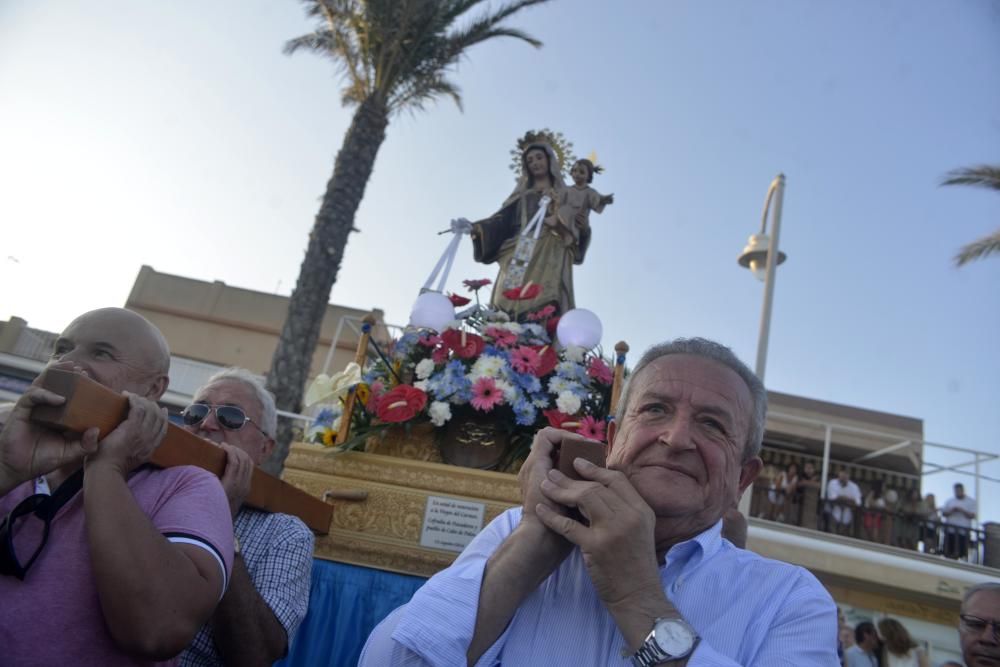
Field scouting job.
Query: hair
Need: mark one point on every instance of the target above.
(897, 638)
(268, 410)
(985, 587)
(591, 168)
(791, 465)
(707, 349)
(959, 485)
(863, 628)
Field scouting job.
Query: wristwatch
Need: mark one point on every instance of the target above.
(670, 639)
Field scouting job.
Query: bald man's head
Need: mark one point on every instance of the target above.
(118, 348)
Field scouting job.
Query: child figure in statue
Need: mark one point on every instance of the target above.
(580, 199)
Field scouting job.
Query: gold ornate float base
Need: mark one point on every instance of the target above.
(384, 531)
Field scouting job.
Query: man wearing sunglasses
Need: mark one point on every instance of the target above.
(268, 593)
(979, 625)
(104, 560)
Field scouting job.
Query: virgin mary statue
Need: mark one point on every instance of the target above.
(561, 243)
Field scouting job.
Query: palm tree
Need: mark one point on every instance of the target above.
(394, 55)
(986, 176)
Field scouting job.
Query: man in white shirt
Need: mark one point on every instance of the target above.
(862, 654)
(958, 513)
(847, 494)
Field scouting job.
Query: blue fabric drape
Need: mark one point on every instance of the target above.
(346, 603)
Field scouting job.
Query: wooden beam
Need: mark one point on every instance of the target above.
(89, 404)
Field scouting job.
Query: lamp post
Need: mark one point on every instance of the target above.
(757, 257)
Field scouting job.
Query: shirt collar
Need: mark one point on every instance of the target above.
(701, 547)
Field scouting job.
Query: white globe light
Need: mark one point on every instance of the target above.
(579, 327)
(432, 310)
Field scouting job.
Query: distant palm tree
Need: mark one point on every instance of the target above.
(986, 176)
(394, 55)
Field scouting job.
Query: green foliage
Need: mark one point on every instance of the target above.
(987, 176)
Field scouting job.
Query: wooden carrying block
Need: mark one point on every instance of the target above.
(89, 404)
(572, 448)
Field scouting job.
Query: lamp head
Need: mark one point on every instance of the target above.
(754, 256)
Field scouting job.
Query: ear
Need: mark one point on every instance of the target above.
(749, 472)
(268, 448)
(157, 387)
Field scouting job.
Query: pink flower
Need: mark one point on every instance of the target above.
(599, 370)
(429, 341)
(485, 394)
(474, 285)
(439, 355)
(542, 313)
(592, 429)
(502, 337)
(525, 360)
(377, 389)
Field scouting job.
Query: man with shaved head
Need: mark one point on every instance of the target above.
(104, 560)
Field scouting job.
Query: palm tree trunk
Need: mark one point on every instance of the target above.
(334, 222)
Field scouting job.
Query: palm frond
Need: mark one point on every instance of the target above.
(987, 176)
(987, 245)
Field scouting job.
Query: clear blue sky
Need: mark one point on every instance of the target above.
(178, 135)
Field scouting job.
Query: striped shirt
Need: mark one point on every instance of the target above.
(277, 551)
(748, 610)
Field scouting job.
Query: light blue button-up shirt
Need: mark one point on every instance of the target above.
(748, 610)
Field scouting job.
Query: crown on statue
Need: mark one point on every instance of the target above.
(559, 143)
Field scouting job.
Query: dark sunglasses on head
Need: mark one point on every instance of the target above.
(229, 416)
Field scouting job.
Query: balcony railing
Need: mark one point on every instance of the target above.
(898, 528)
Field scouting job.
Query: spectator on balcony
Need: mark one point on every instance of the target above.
(865, 652)
(779, 496)
(979, 625)
(929, 528)
(874, 514)
(910, 519)
(958, 514)
(898, 648)
(842, 495)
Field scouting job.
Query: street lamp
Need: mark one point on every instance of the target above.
(757, 258)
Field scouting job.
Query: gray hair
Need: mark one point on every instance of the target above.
(707, 349)
(986, 586)
(268, 410)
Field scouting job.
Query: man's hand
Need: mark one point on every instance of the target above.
(236, 477)
(28, 450)
(133, 441)
(534, 472)
(618, 546)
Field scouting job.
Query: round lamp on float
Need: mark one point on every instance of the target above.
(432, 310)
(579, 327)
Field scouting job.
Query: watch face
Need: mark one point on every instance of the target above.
(674, 637)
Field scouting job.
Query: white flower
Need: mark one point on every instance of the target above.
(574, 353)
(559, 385)
(422, 385)
(568, 403)
(541, 402)
(439, 412)
(497, 316)
(425, 368)
(486, 366)
(535, 330)
(512, 327)
(509, 392)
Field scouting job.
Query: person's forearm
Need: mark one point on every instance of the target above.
(635, 617)
(525, 559)
(152, 595)
(245, 629)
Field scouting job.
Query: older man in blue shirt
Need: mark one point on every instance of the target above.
(646, 577)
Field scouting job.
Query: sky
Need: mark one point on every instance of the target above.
(179, 135)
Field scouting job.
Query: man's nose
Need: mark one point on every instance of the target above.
(209, 423)
(677, 434)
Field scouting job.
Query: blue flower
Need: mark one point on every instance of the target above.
(526, 381)
(525, 413)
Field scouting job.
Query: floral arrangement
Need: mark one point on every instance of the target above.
(484, 363)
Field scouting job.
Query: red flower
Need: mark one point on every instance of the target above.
(599, 370)
(542, 313)
(592, 429)
(439, 355)
(547, 360)
(474, 285)
(561, 420)
(465, 345)
(400, 404)
(525, 359)
(429, 340)
(502, 337)
(458, 300)
(529, 291)
(485, 394)
(551, 325)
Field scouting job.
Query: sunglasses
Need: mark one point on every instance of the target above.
(229, 417)
(44, 507)
(976, 625)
